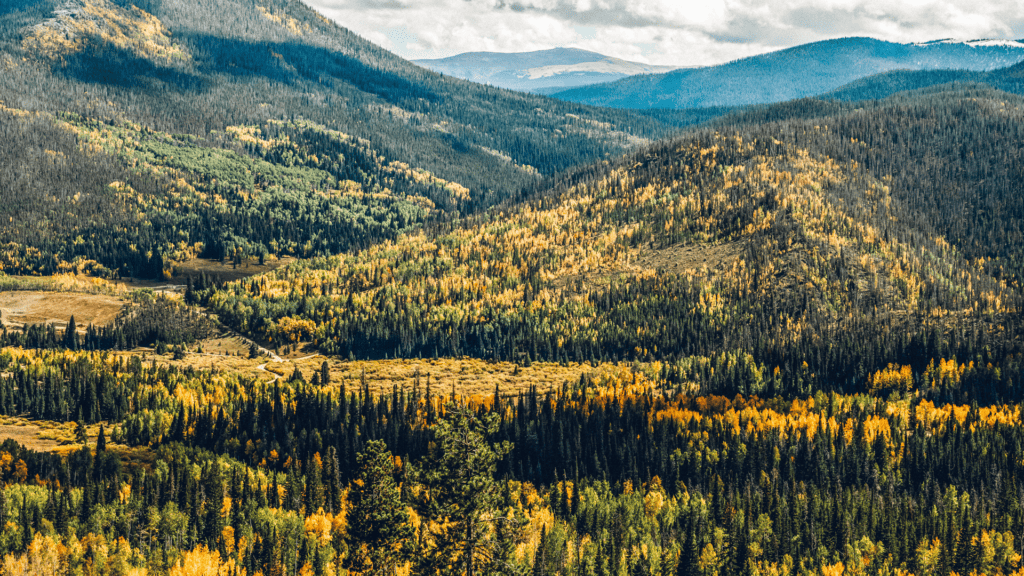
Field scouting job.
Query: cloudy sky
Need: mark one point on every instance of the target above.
(674, 32)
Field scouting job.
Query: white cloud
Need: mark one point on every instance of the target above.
(675, 32)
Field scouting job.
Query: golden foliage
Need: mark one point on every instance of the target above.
(79, 22)
(201, 561)
(44, 557)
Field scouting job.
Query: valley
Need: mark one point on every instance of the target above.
(277, 302)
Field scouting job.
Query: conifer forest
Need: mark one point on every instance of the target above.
(277, 302)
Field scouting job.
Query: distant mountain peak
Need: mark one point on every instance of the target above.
(978, 42)
(539, 70)
(798, 72)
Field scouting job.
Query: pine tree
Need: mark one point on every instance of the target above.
(332, 481)
(81, 435)
(540, 560)
(509, 532)
(71, 335)
(688, 557)
(378, 523)
(26, 525)
(458, 485)
(315, 500)
(214, 489)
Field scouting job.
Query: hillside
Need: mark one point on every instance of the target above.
(235, 129)
(883, 85)
(542, 71)
(799, 72)
(819, 238)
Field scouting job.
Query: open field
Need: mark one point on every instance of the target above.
(229, 352)
(57, 437)
(44, 437)
(21, 307)
(224, 271)
(468, 376)
(60, 283)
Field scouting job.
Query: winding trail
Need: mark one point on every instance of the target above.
(274, 357)
(277, 359)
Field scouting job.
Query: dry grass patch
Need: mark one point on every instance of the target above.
(225, 271)
(44, 435)
(59, 438)
(467, 376)
(206, 360)
(679, 258)
(28, 434)
(21, 307)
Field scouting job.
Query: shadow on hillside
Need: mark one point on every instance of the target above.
(12, 6)
(290, 63)
(116, 66)
(293, 63)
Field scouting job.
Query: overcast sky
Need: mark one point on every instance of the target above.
(674, 32)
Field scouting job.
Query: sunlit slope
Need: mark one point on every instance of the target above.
(721, 241)
(189, 67)
(137, 134)
(950, 154)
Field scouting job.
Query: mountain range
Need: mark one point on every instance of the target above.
(239, 130)
(278, 113)
(802, 71)
(542, 71)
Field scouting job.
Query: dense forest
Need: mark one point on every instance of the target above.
(815, 369)
(614, 474)
(813, 246)
(796, 328)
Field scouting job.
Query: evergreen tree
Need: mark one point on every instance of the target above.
(540, 559)
(315, 500)
(71, 335)
(509, 532)
(458, 486)
(214, 489)
(101, 441)
(81, 434)
(325, 374)
(688, 557)
(378, 523)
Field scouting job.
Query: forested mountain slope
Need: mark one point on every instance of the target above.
(950, 154)
(815, 244)
(1010, 79)
(798, 72)
(163, 97)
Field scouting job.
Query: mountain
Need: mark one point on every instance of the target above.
(542, 71)
(798, 72)
(1009, 79)
(825, 240)
(239, 129)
